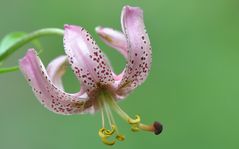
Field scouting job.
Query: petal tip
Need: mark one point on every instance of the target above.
(72, 28)
(66, 26)
(129, 9)
(25, 60)
(29, 52)
(98, 29)
(69, 27)
(126, 7)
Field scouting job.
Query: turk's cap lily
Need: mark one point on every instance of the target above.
(100, 86)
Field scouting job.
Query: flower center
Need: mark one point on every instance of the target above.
(108, 103)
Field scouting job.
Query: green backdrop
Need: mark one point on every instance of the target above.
(193, 88)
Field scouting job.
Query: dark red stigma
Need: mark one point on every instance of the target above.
(158, 128)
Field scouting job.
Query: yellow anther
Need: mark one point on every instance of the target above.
(101, 133)
(105, 141)
(135, 128)
(110, 132)
(120, 137)
(134, 121)
(104, 134)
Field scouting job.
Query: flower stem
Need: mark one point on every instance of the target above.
(29, 37)
(10, 69)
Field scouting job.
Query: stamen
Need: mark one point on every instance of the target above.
(107, 142)
(120, 137)
(156, 127)
(106, 102)
(103, 132)
(108, 113)
(102, 118)
(134, 121)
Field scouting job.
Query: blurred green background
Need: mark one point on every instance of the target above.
(193, 88)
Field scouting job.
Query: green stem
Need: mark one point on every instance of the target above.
(29, 37)
(10, 69)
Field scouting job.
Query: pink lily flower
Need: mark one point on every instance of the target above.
(101, 88)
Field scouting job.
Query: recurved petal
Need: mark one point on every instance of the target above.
(56, 69)
(114, 39)
(87, 60)
(139, 49)
(52, 97)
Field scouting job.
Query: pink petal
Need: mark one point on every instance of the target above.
(139, 49)
(86, 59)
(113, 38)
(48, 94)
(56, 69)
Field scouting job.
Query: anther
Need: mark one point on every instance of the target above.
(120, 137)
(110, 132)
(135, 128)
(105, 141)
(104, 134)
(134, 121)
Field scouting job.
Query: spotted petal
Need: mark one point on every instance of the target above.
(139, 49)
(86, 59)
(52, 97)
(113, 38)
(56, 69)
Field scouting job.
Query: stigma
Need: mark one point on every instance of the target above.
(107, 103)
